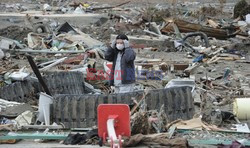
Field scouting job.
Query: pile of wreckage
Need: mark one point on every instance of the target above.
(192, 76)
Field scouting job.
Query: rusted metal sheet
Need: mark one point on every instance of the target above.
(79, 111)
(57, 82)
(181, 66)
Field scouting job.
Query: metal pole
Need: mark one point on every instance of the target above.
(38, 74)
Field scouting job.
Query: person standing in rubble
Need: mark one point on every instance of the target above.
(122, 75)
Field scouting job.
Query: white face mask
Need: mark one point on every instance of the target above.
(120, 46)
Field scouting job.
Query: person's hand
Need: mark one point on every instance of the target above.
(113, 44)
(91, 54)
(126, 43)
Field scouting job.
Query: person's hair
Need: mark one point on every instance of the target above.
(122, 36)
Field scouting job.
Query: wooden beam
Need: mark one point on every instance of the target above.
(212, 23)
(185, 26)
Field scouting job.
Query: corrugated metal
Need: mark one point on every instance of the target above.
(19, 91)
(79, 111)
(65, 82)
(58, 83)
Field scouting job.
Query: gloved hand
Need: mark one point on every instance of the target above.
(126, 43)
(113, 44)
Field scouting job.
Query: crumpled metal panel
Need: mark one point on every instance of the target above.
(19, 91)
(65, 82)
(80, 111)
(58, 83)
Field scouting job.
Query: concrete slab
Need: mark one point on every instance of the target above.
(148, 41)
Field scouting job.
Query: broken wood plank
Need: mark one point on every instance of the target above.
(110, 7)
(147, 41)
(212, 23)
(191, 69)
(176, 30)
(148, 60)
(9, 127)
(53, 64)
(242, 37)
(216, 52)
(11, 141)
(171, 131)
(146, 91)
(185, 26)
(236, 57)
(214, 58)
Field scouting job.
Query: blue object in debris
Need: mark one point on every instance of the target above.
(198, 59)
(226, 75)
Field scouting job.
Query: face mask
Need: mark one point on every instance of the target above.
(120, 46)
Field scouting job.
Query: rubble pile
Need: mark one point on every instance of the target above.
(15, 32)
(192, 71)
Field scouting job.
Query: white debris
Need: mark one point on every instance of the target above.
(242, 23)
(47, 7)
(79, 10)
(24, 119)
(243, 127)
(248, 19)
(1, 54)
(20, 75)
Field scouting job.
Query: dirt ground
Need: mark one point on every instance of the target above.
(79, 22)
(119, 1)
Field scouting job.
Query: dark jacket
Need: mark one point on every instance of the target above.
(127, 64)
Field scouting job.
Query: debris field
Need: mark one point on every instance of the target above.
(192, 73)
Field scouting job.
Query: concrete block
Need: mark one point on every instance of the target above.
(6, 44)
